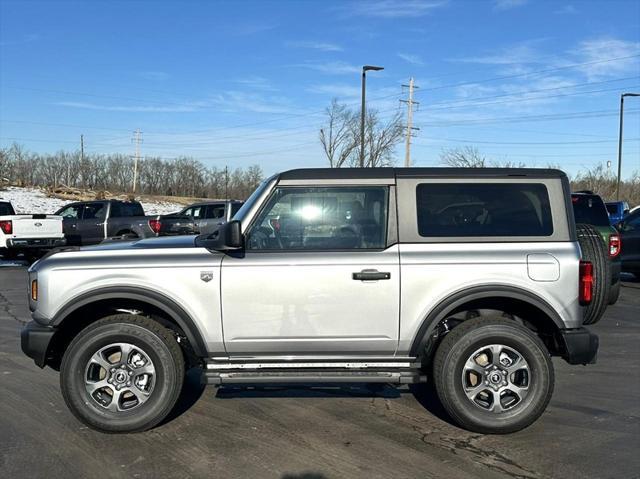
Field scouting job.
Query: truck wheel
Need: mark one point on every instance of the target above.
(123, 373)
(492, 375)
(594, 250)
(614, 293)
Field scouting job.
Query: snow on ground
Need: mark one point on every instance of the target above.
(33, 200)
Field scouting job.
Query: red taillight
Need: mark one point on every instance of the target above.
(614, 245)
(6, 227)
(155, 226)
(586, 282)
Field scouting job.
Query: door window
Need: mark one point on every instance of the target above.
(215, 211)
(338, 218)
(71, 211)
(94, 211)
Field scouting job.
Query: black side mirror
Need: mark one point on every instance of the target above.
(227, 237)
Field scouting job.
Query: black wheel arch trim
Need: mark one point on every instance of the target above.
(136, 293)
(457, 299)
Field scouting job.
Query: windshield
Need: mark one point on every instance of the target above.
(590, 210)
(248, 205)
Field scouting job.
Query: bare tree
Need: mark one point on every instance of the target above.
(467, 157)
(338, 138)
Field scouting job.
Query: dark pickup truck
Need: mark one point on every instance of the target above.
(91, 222)
(209, 215)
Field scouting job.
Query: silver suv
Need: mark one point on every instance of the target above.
(472, 278)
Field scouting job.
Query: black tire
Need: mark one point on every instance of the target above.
(614, 293)
(594, 250)
(450, 362)
(145, 336)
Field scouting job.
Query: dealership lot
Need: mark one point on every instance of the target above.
(591, 429)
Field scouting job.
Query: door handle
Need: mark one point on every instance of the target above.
(371, 275)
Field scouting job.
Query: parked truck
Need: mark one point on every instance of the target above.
(29, 234)
(91, 222)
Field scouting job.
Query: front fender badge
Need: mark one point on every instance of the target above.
(206, 276)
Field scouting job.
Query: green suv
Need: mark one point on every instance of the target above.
(588, 208)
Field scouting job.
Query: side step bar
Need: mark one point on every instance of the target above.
(315, 375)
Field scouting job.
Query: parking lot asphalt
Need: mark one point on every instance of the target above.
(590, 430)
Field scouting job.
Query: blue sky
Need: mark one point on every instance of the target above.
(238, 83)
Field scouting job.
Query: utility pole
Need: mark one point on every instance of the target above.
(620, 142)
(82, 160)
(226, 182)
(410, 127)
(137, 139)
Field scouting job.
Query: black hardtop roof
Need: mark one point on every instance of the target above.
(435, 172)
(212, 202)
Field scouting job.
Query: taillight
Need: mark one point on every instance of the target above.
(614, 245)
(155, 226)
(6, 227)
(586, 282)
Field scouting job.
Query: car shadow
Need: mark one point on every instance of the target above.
(192, 390)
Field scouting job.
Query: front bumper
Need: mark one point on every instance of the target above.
(580, 346)
(35, 340)
(35, 243)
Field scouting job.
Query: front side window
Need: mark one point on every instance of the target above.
(215, 211)
(336, 218)
(94, 211)
(490, 209)
(72, 211)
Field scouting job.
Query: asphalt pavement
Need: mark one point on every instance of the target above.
(590, 430)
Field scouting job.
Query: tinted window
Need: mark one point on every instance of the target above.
(322, 219)
(234, 208)
(215, 211)
(6, 209)
(94, 211)
(72, 211)
(612, 209)
(196, 212)
(490, 209)
(589, 209)
(123, 210)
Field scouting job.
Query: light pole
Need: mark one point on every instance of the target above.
(365, 69)
(620, 142)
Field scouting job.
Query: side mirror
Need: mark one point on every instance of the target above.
(227, 237)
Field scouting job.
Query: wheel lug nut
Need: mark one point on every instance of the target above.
(130, 373)
(128, 383)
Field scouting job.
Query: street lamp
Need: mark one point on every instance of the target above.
(365, 69)
(620, 141)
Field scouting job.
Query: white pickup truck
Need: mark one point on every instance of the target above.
(28, 234)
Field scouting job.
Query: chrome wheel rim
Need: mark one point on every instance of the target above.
(496, 378)
(119, 377)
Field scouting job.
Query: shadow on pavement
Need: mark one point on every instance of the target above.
(191, 392)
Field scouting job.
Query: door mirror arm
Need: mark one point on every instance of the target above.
(228, 237)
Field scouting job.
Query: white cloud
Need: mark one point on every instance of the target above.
(598, 51)
(337, 90)
(332, 68)
(322, 46)
(521, 53)
(410, 58)
(187, 107)
(508, 4)
(257, 83)
(393, 8)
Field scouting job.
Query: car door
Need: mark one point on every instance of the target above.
(214, 215)
(630, 238)
(197, 213)
(91, 228)
(316, 276)
(71, 214)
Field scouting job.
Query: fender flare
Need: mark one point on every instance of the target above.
(160, 301)
(453, 301)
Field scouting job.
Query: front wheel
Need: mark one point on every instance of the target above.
(122, 373)
(493, 375)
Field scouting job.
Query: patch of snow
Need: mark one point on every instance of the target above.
(33, 200)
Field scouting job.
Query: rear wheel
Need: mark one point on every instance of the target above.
(123, 373)
(493, 375)
(614, 293)
(595, 251)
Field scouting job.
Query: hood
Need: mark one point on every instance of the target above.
(187, 241)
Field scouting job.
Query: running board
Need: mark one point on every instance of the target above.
(315, 375)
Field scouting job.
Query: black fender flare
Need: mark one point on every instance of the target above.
(160, 301)
(457, 299)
